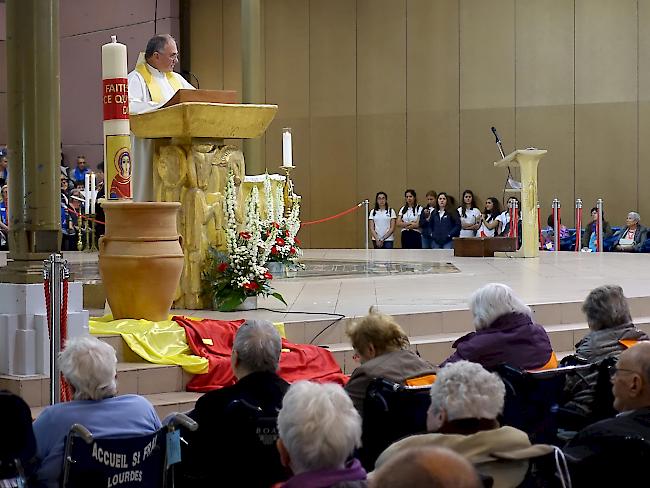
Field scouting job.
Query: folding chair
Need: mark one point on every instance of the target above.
(391, 412)
(144, 461)
(18, 451)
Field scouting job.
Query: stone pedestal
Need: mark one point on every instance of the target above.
(24, 338)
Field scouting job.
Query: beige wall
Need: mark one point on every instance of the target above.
(390, 94)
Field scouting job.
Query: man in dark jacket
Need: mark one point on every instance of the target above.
(235, 442)
(613, 451)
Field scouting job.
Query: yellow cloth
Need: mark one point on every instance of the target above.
(152, 84)
(157, 342)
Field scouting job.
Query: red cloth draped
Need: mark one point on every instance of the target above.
(213, 339)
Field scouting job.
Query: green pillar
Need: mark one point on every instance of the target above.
(33, 115)
(253, 77)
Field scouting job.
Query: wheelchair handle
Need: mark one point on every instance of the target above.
(80, 431)
(180, 419)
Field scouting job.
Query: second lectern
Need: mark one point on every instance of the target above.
(527, 160)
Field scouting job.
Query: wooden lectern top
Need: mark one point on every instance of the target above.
(209, 96)
(512, 158)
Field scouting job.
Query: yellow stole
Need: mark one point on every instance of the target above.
(153, 85)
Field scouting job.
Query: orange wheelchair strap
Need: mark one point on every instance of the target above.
(425, 380)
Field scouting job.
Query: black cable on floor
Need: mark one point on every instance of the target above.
(339, 317)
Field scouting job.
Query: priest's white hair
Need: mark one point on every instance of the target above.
(466, 390)
(318, 425)
(493, 300)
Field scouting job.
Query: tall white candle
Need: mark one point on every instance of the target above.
(86, 193)
(93, 193)
(287, 156)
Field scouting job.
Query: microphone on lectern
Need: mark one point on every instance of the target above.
(498, 142)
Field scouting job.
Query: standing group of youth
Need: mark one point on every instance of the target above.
(435, 225)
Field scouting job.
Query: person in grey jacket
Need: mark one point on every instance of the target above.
(632, 236)
(610, 323)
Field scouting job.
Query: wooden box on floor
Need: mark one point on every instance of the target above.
(483, 246)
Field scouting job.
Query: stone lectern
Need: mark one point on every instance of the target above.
(190, 166)
(527, 160)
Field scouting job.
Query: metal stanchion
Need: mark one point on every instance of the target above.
(365, 203)
(599, 224)
(578, 225)
(556, 225)
(55, 271)
(539, 226)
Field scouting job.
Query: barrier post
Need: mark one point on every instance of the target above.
(539, 225)
(365, 224)
(53, 274)
(556, 225)
(599, 224)
(578, 225)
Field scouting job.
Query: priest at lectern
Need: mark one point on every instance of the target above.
(151, 84)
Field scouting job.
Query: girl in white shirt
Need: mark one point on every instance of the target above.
(381, 223)
(470, 216)
(490, 223)
(409, 221)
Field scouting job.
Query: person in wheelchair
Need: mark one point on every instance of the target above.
(319, 430)
(505, 332)
(611, 331)
(614, 451)
(89, 366)
(466, 400)
(381, 346)
(237, 424)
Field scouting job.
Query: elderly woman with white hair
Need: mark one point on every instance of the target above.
(632, 236)
(89, 366)
(505, 332)
(319, 430)
(465, 403)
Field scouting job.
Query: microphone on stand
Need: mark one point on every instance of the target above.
(498, 142)
(186, 72)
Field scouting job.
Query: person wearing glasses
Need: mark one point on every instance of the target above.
(151, 84)
(611, 452)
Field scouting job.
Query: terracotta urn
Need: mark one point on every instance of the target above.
(140, 258)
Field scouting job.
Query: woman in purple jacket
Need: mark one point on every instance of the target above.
(505, 332)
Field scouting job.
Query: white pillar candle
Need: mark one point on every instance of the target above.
(86, 193)
(93, 193)
(287, 156)
(117, 143)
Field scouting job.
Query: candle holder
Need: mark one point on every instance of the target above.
(87, 232)
(93, 241)
(80, 242)
(287, 190)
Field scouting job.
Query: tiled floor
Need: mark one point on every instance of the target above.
(410, 288)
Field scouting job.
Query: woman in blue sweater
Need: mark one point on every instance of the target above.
(444, 222)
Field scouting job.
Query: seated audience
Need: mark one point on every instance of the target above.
(490, 223)
(319, 430)
(79, 173)
(470, 216)
(465, 403)
(632, 236)
(444, 222)
(382, 348)
(611, 452)
(610, 322)
(89, 366)
(255, 358)
(426, 467)
(548, 234)
(4, 169)
(589, 234)
(4, 218)
(505, 332)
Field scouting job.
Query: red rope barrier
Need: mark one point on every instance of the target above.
(84, 217)
(340, 214)
(66, 392)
